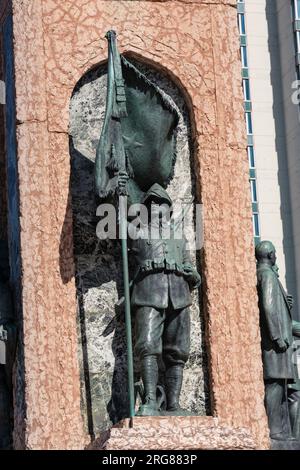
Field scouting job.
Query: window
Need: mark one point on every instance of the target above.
(249, 123)
(295, 4)
(246, 88)
(253, 190)
(297, 41)
(297, 9)
(250, 150)
(256, 228)
(241, 21)
(244, 56)
(248, 114)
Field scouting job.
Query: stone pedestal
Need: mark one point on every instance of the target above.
(175, 433)
(285, 445)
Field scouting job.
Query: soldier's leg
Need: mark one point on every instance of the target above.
(149, 324)
(274, 394)
(294, 409)
(176, 347)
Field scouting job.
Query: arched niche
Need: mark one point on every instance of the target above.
(98, 263)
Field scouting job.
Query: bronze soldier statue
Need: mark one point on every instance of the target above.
(161, 299)
(135, 160)
(7, 349)
(277, 340)
(294, 393)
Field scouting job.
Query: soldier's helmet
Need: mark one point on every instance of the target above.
(158, 192)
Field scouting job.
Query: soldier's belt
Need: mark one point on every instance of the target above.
(161, 264)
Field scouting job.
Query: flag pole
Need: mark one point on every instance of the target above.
(123, 233)
(115, 78)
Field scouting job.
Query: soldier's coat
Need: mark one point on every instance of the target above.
(276, 323)
(161, 279)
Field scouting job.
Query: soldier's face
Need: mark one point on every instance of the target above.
(159, 209)
(273, 257)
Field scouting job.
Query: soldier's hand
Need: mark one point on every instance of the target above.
(281, 345)
(290, 301)
(189, 272)
(122, 179)
(192, 275)
(188, 269)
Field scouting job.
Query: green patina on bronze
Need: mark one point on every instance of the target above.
(161, 299)
(294, 391)
(135, 158)
(140, 119)
(277, 340)
(7, 351)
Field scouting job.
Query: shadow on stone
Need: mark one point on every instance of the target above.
(97, 268)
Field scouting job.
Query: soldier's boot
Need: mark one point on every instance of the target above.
(294, 413)
(149, 372)
(173, 382)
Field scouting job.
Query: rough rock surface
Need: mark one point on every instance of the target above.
(175, 433)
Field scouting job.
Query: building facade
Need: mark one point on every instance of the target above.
(269, 34)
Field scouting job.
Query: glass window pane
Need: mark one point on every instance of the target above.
(297, 8)
(298, 40)
(249, 123)
(244, 56)
(295, 42)
(246, 87)
(242, 27)
(250, 150)
(253, 190)
(256, 225)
